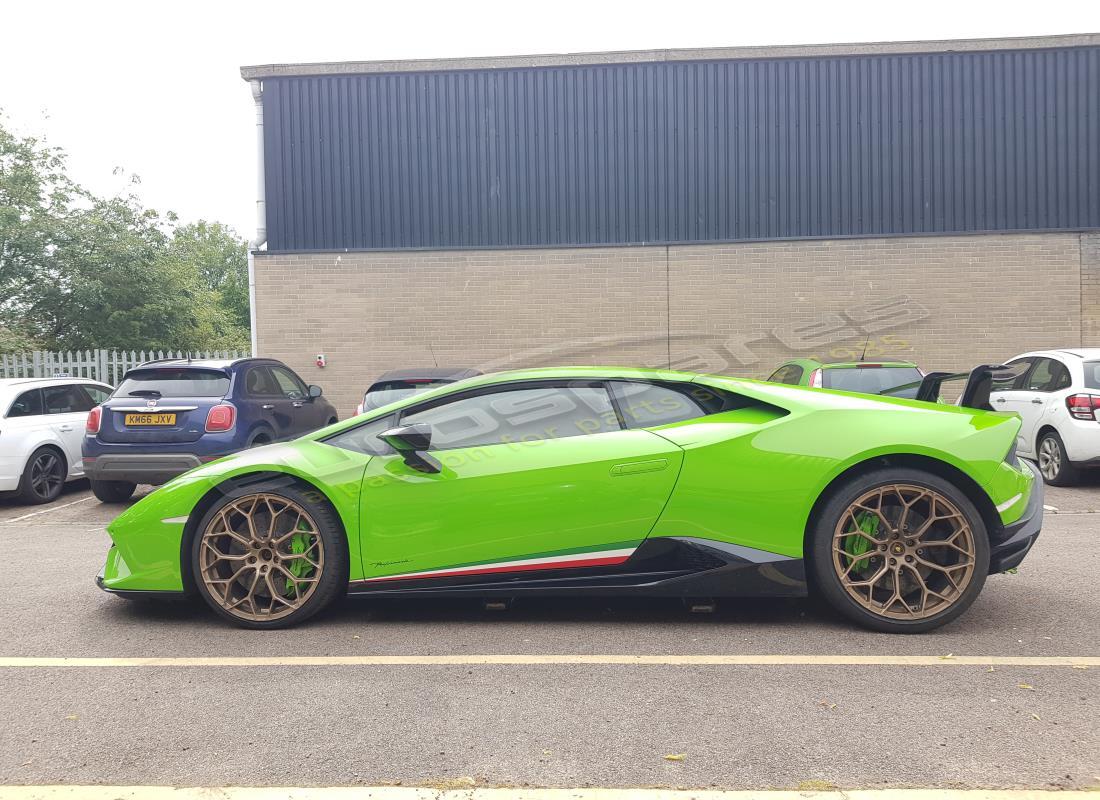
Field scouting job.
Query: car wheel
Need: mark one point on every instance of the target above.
(331, 421)
(258, 439)
(270, 556)
(113, 491)
(43, 476)
(1054, 464)
(899, 550)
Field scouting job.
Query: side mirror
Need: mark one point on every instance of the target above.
(410, 442)
(314, 391)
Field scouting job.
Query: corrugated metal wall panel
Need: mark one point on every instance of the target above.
(688, 151)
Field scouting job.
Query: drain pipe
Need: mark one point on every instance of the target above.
(261, 211)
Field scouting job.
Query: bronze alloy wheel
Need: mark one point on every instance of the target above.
(261, 557)
(904, 552)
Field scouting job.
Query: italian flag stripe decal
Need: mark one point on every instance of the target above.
(592, 558)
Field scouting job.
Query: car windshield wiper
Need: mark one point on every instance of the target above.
(144, 393)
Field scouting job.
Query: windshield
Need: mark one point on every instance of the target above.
(174, 382)
(872, 380)
(385, 393)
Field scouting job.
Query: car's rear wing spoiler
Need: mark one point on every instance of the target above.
(979, 383)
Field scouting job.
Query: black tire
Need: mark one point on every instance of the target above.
(329, 583)
(43, 476)
(331, 421)
(259, 438)
(1054, 463)
(825, 563)
(113, 491)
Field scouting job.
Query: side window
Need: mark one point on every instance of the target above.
(97, 393)
(1013, 379)
(83, 399)
(364, 439)
(65, 400)
(1061, 379)
(520, 414)
(790, 373)
(258, 382)
(288, 383)
(28, 404)
(1047, 375)
(645, 405)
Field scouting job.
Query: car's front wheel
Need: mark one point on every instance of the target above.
(1054, 463)
(899, 550)
(270, 556)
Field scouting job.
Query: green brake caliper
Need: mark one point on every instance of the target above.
(857, 545)
(298, 567)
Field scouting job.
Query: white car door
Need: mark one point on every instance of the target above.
(67, 407)
(1007, 395)
(1041, 396)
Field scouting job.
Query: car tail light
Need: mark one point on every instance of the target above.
(1083, 406)
(95, 416)
(815, 378)
(220, 418)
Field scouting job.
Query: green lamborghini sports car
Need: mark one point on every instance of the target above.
(591, 481)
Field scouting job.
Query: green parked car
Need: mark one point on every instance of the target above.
(591, 481)
(869, 377)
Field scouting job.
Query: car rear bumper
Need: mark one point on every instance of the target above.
(142, 468)
(1012, 543)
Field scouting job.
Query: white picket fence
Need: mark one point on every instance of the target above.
(107, 366)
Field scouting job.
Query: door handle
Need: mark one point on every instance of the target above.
(634, 467)
(1036, 402)
(267, 406)
(999, 400)
(297, 404)
(65, 428)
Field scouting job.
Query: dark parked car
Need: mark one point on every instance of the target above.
(399, 383)
(869, 377)
(169, 416)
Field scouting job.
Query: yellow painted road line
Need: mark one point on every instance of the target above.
(45, 511)
(553, 660)
(410, 793)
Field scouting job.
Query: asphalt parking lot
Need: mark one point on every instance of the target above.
(809, 724)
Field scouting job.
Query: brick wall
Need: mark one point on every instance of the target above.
(1090, 289)
(946, 302)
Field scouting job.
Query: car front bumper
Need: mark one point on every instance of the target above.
(1011, 543)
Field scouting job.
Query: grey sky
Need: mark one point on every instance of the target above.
(154, 87)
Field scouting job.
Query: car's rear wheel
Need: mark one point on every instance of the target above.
(270, 557)
(1054, 463)
(899, 550)
(43, 476)
(113, 491)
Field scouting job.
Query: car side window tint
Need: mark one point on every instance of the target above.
(258, 382)
(65, 400)
(28, 404)
(1044, 376)
(519, 414)
(790, 373)
(97, 393)
(364, 439)
(1013, 379)
(1060, 378)
(645, 405)
(288, 383)
(82, 398)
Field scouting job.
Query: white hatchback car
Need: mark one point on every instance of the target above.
(41, 431)
(1057, 395)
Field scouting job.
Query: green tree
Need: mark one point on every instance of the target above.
(79, 271)
(220, 256)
